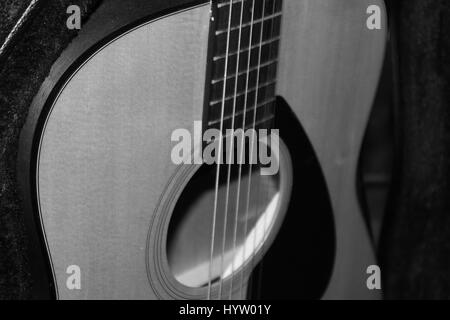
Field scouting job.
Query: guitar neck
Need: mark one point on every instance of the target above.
(244, 45)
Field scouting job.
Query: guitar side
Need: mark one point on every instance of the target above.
(331, 91)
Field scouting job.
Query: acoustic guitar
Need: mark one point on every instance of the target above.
(120, 199)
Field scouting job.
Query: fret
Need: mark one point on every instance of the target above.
(256, 46)
(248, 24)
(263, 123)
(243, 72)
(251, 90)
(224, 7)
(268, 53)
(250, 109)
(224, 3)
(266, 121)
(241, 103)
(258, 124)
(268, 74)
(271, 29)
(263, 112)
(269, 3)
(223, 14)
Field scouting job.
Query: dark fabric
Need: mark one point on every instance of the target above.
(415, 251)
(10, 10)
(21, 74)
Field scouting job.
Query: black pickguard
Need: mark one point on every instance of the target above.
(300, 261)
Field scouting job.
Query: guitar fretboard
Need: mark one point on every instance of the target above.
(244, 60)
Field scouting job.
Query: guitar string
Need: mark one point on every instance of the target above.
(252, 140)
(241, 153)
(261, 269)
(257, 193)
(219, 156)
(26, 16)
(231, 153)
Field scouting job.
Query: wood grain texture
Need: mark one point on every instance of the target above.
(330, 63)
(105, 152)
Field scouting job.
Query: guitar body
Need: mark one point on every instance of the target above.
(101, 189)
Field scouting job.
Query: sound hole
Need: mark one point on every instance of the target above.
(240, 234)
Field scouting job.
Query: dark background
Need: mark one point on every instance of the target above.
(415, 242)
(405, 159)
